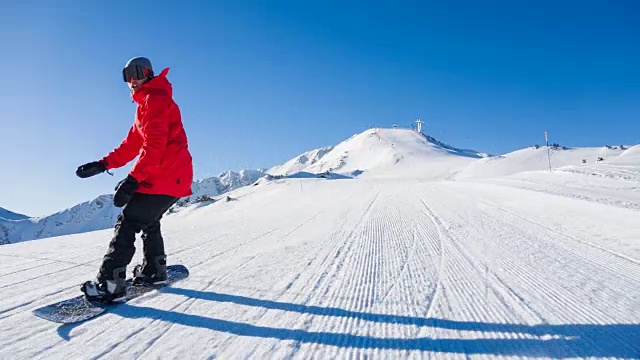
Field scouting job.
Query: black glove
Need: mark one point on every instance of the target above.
(124, 191)
(91, 169)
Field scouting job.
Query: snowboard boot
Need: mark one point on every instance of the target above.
(151, 273)
(107, 290)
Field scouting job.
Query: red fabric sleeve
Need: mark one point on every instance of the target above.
(155, 129)
(128, 149)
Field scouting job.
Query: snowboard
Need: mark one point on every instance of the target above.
(79, 309)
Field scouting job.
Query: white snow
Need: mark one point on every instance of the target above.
(425, 254)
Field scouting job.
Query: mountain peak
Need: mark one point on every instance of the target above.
(380, 152)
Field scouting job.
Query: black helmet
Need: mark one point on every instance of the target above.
(137, 68)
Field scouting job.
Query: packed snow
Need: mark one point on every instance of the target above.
(402, 249)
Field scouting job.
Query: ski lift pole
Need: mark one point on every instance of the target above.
(546, 138)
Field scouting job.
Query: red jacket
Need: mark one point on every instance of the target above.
(157, 135)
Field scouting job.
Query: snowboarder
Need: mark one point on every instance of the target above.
(162, 174)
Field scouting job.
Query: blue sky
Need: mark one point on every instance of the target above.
(259, 82)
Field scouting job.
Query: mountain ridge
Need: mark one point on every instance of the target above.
(10, 215)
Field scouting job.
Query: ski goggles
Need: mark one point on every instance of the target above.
(135, 72)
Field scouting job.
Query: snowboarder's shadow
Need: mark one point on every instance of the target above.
(556, 341)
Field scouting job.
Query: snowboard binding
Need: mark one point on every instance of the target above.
(99, 292)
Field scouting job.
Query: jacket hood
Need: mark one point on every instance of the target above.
(158, 82)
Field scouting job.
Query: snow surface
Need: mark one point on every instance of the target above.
(405, 261)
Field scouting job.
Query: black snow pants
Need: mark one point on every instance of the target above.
(142, 213)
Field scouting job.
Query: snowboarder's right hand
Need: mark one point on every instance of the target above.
(91, 169)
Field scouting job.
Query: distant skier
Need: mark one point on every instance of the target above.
(162, 174)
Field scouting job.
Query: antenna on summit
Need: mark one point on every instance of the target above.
(419, 122)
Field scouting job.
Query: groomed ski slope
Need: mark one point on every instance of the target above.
(312, 268)
(422, 256)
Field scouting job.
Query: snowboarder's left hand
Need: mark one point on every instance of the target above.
(125, 190)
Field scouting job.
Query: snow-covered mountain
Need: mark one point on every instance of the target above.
(382, 152)
(10, 215)
(404, 152)
(225, 182)
(100, 213)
